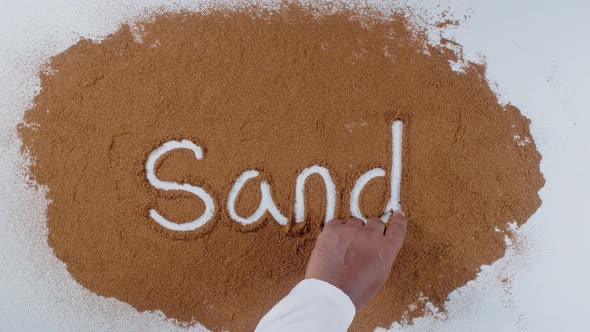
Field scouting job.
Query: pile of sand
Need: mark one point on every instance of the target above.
(276, 91)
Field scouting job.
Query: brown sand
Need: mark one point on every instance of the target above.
(278, 92)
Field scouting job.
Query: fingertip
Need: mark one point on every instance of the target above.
(354, 221)
(396, 215)
(376, 223)
(334, 222)
(396, 225)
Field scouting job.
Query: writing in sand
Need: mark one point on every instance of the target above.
(271, 95)
(266, 201)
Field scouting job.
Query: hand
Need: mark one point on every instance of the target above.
(355, 257)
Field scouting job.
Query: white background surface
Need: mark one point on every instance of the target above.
(537, 53)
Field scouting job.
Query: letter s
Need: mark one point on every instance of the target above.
(165, 185)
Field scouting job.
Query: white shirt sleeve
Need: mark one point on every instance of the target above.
(312, 305)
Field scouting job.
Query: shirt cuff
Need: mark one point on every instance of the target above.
(330, 291)
(312, 305)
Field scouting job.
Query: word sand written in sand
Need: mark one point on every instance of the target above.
(266, 202)
(271, 91)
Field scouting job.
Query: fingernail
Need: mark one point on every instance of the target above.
(400, 211)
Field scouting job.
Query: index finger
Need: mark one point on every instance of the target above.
(396, 228)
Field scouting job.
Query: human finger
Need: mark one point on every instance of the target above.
(396, 229)
(376, 224)
(354, 221)
(335, 222)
